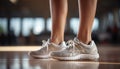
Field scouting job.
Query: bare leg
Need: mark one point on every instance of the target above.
(58, 10)
(87, 9)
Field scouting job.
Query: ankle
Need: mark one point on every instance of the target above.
(56, 41)
(85, 36)
(84, 40)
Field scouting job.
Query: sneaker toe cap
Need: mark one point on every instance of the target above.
(32, 53)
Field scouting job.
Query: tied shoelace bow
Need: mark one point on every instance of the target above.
(71, 44)
(45, 44)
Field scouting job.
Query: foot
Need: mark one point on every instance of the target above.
(47, 48)
(77, 50)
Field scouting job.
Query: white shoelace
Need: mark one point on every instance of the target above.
(71, 44)
(45, 44)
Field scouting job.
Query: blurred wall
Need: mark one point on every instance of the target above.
(15, 15)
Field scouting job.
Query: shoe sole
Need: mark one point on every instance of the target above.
(79, 57)
(41, 57)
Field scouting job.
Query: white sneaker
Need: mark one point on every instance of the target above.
(77, 50)
(46, 49)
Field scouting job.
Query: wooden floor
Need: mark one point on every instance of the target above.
(17, 58)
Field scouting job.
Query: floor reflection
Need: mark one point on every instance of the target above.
(53, 64)
(109, 59)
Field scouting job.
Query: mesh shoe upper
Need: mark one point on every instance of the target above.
(48, 47)
(75, 47)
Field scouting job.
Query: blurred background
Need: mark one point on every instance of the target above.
(28, 22)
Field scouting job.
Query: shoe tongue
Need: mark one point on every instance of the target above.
(62, 44)
(76, 40)
(48, 40)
